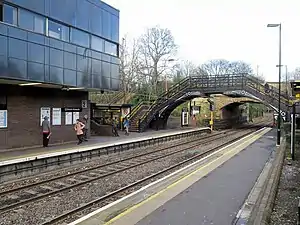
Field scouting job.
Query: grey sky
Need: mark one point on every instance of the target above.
(231, 29)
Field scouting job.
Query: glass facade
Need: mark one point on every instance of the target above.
(65, 42)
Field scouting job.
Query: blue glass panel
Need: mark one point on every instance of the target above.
(114, 28)
(56, 75)
(69, 47)
(47, 73)
(96, 81)
(36, 71)
(17, 68)
(106, 58)
(81, 63)
(47, 55)
(59, 31)
(69, 61)
(63, 10)
(36, 38)
(70, 77)
(3, 65)
(82, 79)
(97, 43)
(96, 67)
(96, 20)
(17, 48)
(3, 45)
(80, 38)
(56, 57)
(115, 84)
(10, 14)
(110, 48)
(31, 21)
(114, 60)
(56, 43)
(82, 14)
(36, 53)
(34, 5)
(105, 82)
(106, 24)
(114, 71)
(3, 29)
(17, 33)
(96, 55)
(105, 69)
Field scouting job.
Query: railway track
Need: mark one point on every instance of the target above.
(112, 196)
(38, 190)
(16, 197)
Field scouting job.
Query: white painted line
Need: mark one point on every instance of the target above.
(160, 180)
(92, 147)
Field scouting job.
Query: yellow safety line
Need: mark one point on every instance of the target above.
(176, 182)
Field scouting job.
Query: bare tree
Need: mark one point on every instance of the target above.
(216, 67)
(240, 67)
(128, 66)
(156, 47)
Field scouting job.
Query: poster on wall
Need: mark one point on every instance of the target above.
(125, 112)
(56, 116)
(45, 111)
(75, 117)
(69, 118)
(3, 118)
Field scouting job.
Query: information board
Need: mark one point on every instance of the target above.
(56, 116)
(45, 111)
(3, 118)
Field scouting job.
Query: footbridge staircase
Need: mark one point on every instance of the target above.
(191, 87)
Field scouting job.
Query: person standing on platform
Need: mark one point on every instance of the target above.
(114, 127)
(46, 131)
(126, 126)
(79, 126)
(86, 128)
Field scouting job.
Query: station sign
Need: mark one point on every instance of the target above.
(71, 109)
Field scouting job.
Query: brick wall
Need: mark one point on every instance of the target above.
(23, 105)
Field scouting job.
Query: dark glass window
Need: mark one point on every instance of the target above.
(114, 69)
(18, 68)
(96, 20)
(36, 53)
(56, 57)
(17, 48)
(106, 24)
(10, 15)
(70, 77)
(105, 69)
(80, 38)
(57, 30)
(96, 66)
(56, 75)
(97, 43)
(69, 60)
(114, 28)
(31, 21)
(82, 14)
(36, 71)
(111, 48)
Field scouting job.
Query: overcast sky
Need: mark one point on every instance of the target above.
(229, 29)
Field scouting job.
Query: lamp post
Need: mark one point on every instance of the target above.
(279, 73)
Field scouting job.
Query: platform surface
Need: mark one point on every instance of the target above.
(94, 142)
(217, 198)
(213, 194)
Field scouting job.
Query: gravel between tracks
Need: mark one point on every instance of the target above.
(103, 159)
(47, 208)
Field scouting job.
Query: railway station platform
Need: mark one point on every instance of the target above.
(211, 190)
(12, 156)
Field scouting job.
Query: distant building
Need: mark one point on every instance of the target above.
(52, 52)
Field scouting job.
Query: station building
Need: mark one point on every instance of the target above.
(52, 52)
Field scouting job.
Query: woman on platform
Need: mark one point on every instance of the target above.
(79, 131)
